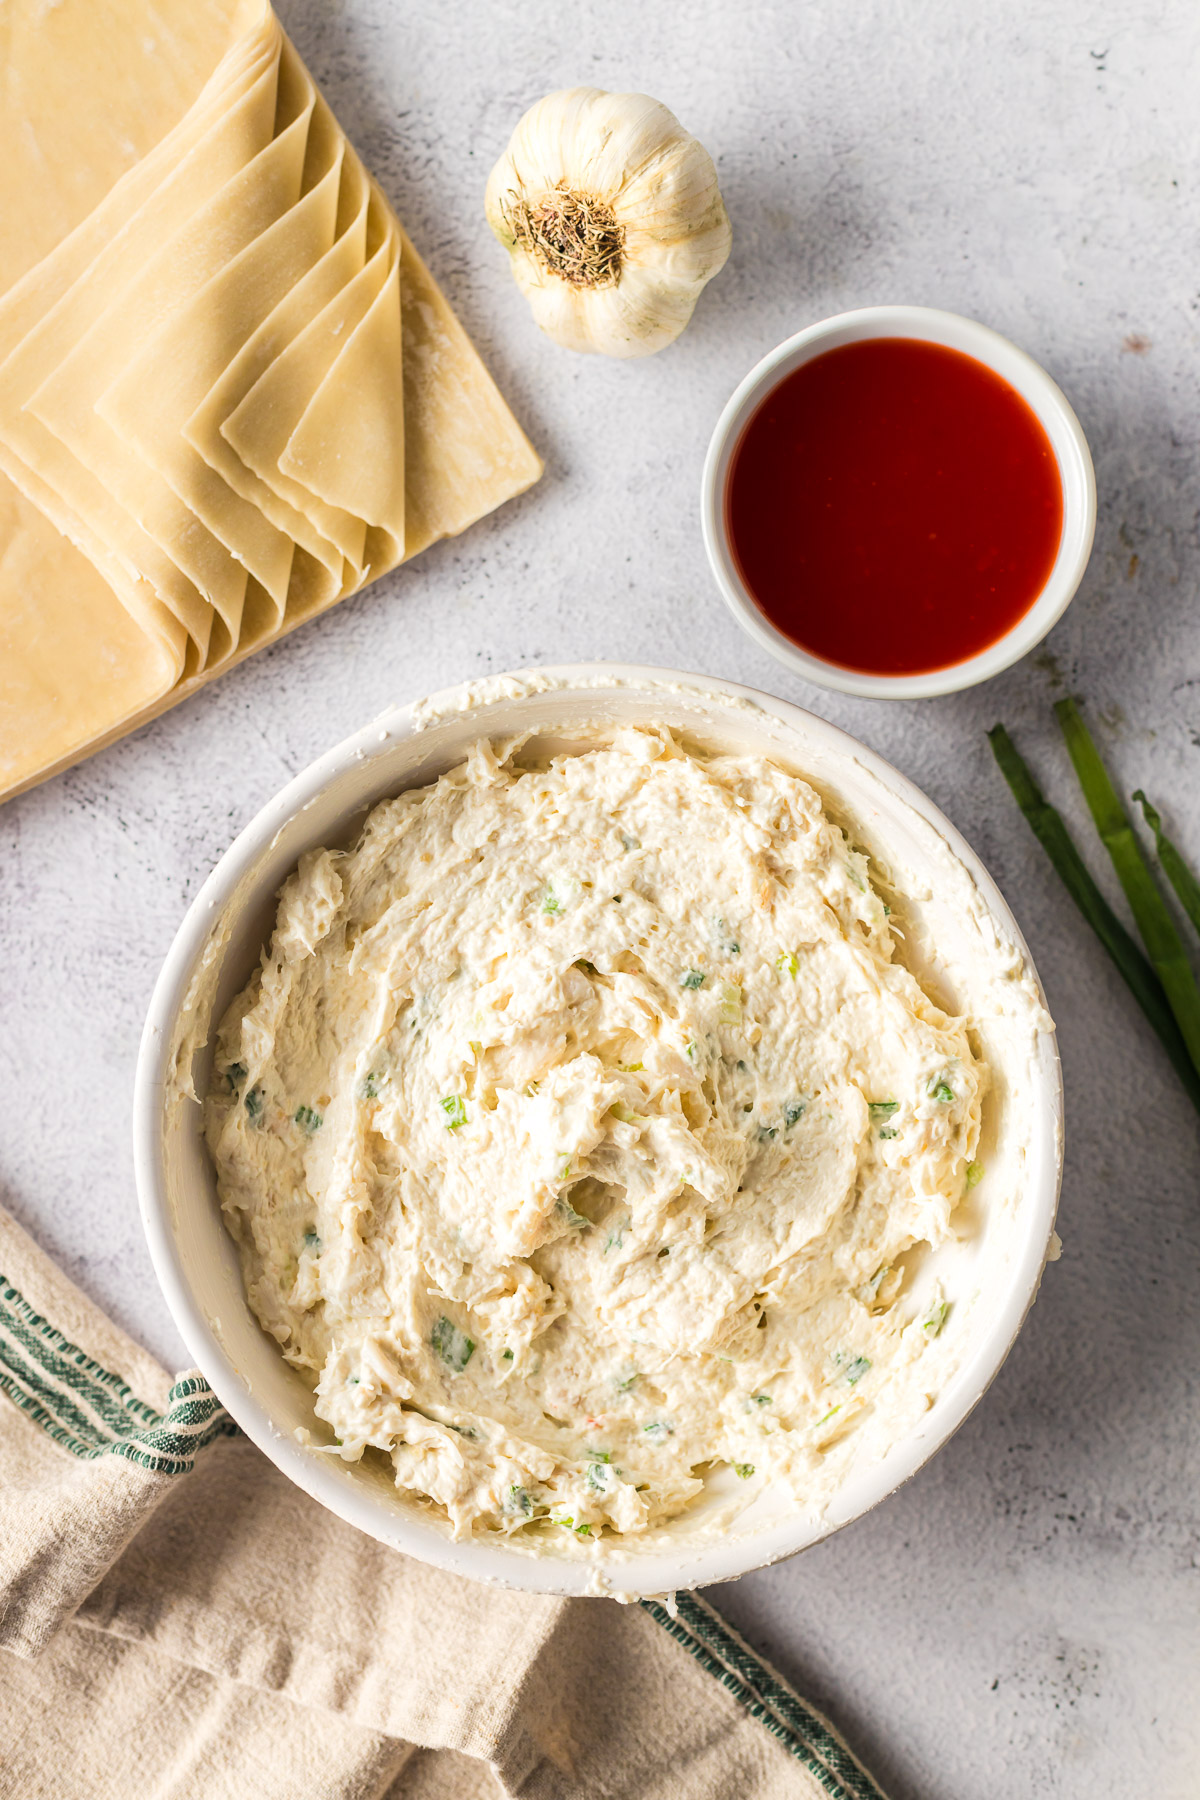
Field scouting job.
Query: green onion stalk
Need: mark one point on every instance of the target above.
(1174, 868)
(1133, 967)
(1164, 945)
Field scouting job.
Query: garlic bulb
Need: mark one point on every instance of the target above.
(613, 219)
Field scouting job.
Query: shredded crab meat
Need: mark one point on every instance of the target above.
(576, 1131)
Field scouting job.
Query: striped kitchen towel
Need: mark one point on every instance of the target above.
(178, 1620)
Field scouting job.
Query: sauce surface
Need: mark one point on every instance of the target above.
(894, 506)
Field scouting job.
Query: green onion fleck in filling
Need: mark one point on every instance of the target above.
(453, 1346)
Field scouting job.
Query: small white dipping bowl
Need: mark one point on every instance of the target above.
(955, 926)
(1044, 398)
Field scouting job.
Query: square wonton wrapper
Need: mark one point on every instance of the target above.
(160, 165)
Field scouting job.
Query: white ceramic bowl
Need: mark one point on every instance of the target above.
(1035, 387)
(954, 922)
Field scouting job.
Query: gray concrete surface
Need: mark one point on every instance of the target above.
(1021, 1620)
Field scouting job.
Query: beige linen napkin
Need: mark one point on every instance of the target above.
(179, 1621)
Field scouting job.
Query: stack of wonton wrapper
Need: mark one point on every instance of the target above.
(230, 392)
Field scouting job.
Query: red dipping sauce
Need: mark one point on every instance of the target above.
(894, 506)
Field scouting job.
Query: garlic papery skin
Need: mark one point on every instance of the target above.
(613, 219)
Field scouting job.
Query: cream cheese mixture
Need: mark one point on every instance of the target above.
(575, 1131)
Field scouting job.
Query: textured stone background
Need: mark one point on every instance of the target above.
(1022, 1618)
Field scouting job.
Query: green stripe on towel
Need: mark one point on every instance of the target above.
(90, 1411)
(15, 1304)
(811, 1739)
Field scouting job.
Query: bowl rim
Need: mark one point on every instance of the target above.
(1047, 401)
(634, 1575)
